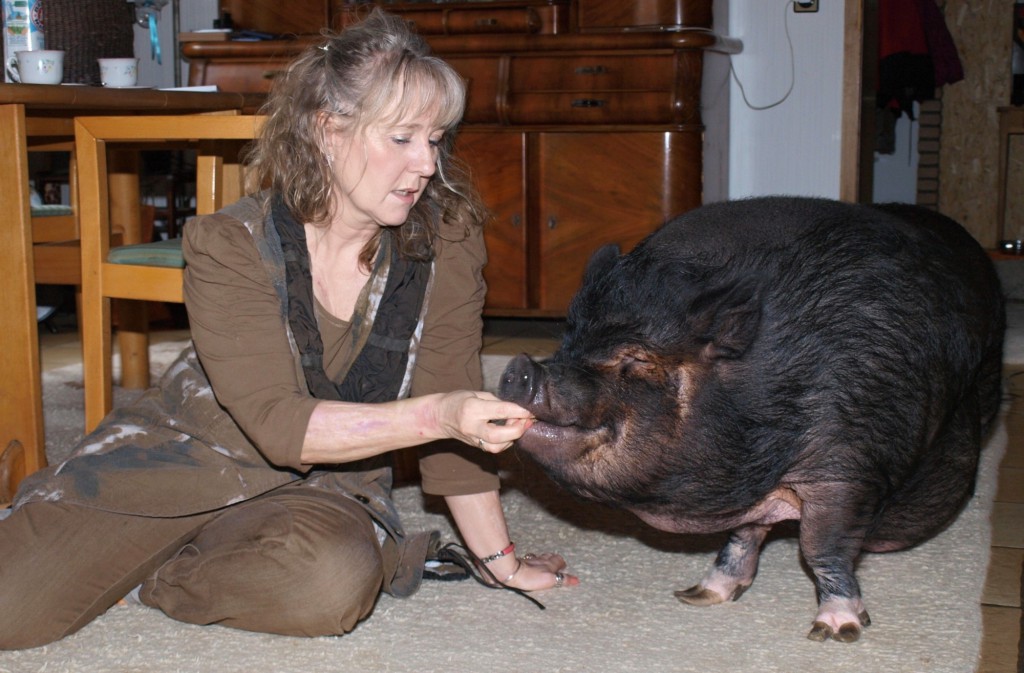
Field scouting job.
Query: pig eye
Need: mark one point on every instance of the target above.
(631, 363)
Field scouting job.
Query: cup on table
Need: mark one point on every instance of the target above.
(37, 66)
(119, 72)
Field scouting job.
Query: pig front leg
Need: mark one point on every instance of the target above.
(733, 571)
(831, 538)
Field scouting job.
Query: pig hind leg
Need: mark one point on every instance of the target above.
(733, 571)
(834, 520)
(931, 499)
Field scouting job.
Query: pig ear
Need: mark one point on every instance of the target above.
(601, 262)
(727, 318)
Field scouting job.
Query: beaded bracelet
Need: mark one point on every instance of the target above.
(497, 555)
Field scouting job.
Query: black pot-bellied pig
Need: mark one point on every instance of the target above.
(773, 359)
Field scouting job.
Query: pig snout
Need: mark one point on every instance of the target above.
(520, 380)
(556, 435)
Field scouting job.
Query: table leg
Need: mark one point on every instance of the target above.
(22, 444)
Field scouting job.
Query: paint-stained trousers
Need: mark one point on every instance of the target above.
(296, 561)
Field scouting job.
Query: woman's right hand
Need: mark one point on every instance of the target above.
(480, 419)
(340, 432)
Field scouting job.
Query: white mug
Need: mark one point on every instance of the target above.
(119, 72)
(38, 66)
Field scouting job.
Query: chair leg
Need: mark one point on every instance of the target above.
(126, 212)
(96, 354)
(133, 340)
(12, 470)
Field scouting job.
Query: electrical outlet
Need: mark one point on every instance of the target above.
(801, 6)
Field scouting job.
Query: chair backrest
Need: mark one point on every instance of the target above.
(57, 223)
(218, 140)
(55, 250)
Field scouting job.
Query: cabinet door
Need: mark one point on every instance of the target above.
(496, 163)
(598, 188)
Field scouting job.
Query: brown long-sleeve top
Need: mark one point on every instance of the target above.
(234, 315)
(227, 420)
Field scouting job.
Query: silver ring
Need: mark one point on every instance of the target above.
(559, 578)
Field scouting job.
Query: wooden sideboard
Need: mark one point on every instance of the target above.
(582, 125)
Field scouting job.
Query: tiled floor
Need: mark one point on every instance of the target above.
(1001, 600)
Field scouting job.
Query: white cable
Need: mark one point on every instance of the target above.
(792, 66)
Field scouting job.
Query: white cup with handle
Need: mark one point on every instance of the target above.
(37, 66)
(118, 73)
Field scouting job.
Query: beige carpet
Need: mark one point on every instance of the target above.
(622, 618)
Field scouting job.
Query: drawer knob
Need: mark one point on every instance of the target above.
(552, 222)
(487, 22)
(591, 70)
(589, 102)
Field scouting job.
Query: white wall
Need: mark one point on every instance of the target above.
(715, 103)
(793, 147)
(895, 175)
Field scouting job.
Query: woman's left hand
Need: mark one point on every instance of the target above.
(541, 571)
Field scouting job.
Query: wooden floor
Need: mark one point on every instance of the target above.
(1001, 615)
(1001, 600)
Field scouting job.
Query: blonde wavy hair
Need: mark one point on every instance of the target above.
(374, 72)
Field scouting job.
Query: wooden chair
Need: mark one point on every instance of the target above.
(146, 272)
(56, 248)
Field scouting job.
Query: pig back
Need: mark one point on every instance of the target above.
(875, 322)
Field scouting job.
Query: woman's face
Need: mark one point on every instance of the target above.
(381, 174)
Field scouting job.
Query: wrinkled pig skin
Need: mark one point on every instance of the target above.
(775, 359)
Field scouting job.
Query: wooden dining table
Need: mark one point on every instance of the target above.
(37, 116)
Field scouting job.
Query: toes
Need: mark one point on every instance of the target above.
(847, 633)
(698, 595)
(820, 632)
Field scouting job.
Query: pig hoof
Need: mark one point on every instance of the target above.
(847, 633)
(698, 595)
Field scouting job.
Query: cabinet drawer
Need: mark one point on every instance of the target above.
(474, 21)
(591, 107)
(592, 73)
(482, 87)
(616, 15)
(237, 76)
(307, 17)
(442, 17)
